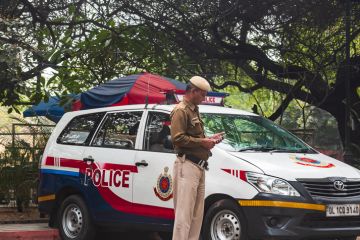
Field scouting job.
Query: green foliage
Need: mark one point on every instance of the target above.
(327, 134)
(266, 102)
(9, 71)
(19, 163)
(321, 125)
(273, 50)
(17, 174)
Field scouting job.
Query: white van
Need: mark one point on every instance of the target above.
(112, 167)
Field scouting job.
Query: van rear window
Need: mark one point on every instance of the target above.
(80, 129)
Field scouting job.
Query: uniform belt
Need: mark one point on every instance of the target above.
(202, 163)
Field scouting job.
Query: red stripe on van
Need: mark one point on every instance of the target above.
(80, 164)
(139, 209)
(131, 168)
(49, 161)
(227, 170)
(72, 163)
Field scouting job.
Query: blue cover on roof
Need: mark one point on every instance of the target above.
(51, 109)
(177, 84)
(107, 93)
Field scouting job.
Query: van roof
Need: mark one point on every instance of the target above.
(168, 108)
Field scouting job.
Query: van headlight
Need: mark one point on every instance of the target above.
(273, 185)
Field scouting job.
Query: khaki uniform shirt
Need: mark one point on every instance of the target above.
(187, 129)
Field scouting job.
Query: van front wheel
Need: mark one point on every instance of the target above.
(223, 220)
(74, 220)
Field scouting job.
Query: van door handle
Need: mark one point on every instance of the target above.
(142, 163)
(88, 159)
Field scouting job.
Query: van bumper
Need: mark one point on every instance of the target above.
(269, 219)
(46, 204)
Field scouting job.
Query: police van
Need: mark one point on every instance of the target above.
(112, 168)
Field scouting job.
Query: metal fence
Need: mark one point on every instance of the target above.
(22, 146)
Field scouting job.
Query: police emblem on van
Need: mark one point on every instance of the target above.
(164, 186)
(305, 161)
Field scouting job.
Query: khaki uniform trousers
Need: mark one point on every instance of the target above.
(189, 192)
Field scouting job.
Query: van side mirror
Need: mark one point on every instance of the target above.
(168, 143)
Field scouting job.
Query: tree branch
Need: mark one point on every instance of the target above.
(238, 85)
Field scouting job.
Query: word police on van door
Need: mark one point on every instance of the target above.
(107, 178)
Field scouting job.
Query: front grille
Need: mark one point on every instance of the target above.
(325, 188)
(320, 221)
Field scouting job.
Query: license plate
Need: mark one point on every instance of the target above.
(334, 210)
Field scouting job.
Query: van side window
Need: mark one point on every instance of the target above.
(119, 130)
(157, 133)
(80, 129)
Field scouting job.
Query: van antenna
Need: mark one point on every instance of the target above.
(147, 93)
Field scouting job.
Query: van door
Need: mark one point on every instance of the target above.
(152, 195)
(63, 161)
(110, 171)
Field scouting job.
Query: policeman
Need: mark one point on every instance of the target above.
(193, 150)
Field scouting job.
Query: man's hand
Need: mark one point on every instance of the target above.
(208, 143)
(218, 137)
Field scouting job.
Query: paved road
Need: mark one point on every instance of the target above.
(127, 236)
(41, 231)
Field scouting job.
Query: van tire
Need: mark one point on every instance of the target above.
(226, 211)
(74, 220)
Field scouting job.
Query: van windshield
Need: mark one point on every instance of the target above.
(252, 133)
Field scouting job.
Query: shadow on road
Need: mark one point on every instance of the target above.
(131, 235)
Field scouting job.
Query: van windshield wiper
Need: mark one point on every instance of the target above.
(276, 149)
(258, 148)
(301, 150)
